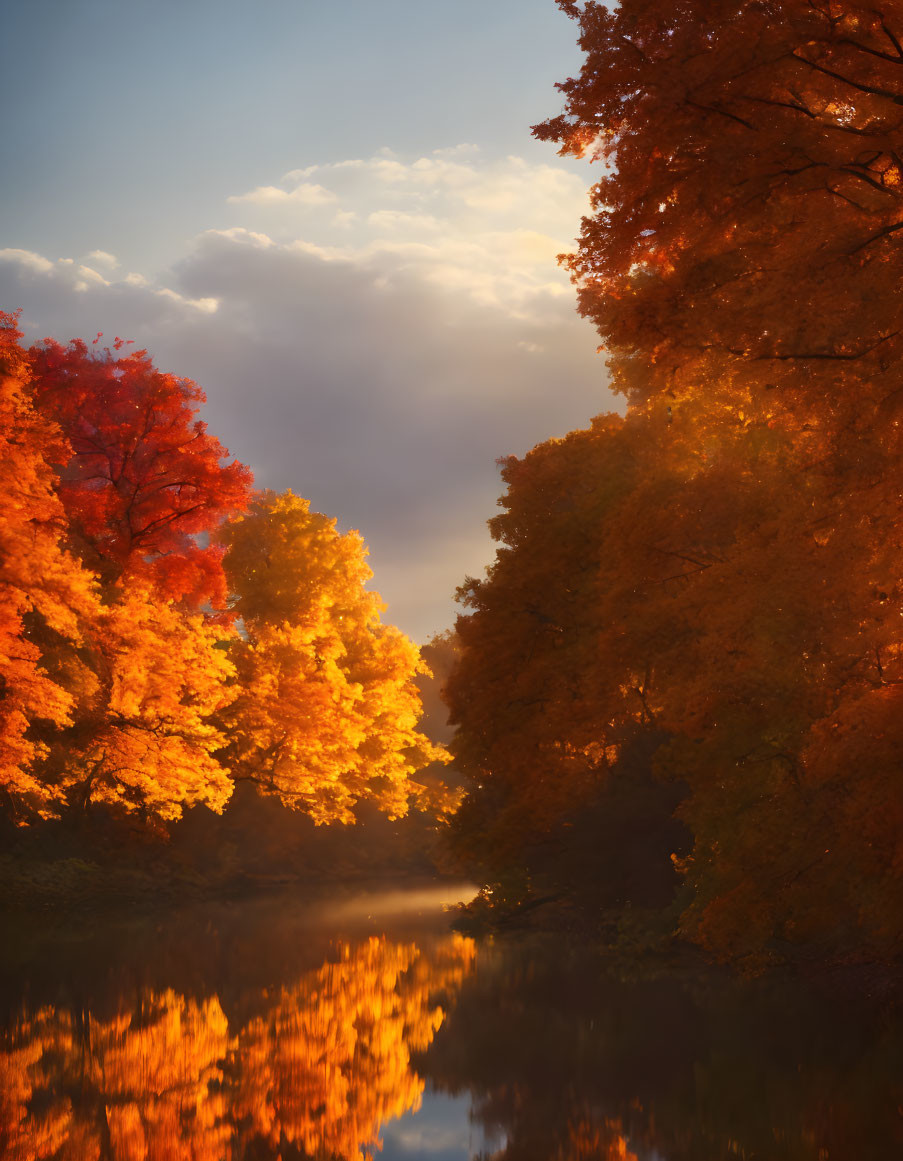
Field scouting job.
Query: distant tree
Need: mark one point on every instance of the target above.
(440, 653)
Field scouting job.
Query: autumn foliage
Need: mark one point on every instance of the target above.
(719, 569)
(327, 710)
(144, 477)
(163, 629)
(321, 1066)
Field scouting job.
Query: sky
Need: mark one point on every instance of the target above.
(333, 217)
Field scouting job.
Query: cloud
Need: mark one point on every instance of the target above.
(378, 370)
(304, 194)
(103, 258)
(88, 275)
(26, 260)
(47, 289)
(492, 228)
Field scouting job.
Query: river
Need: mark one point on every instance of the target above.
(363, 1025)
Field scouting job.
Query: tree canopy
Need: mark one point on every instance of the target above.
(718, 570)
(327, 710)
(138, 671)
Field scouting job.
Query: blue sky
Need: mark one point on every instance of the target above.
(333, 217)
(440, 1130)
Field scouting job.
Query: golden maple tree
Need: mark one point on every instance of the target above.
(145, 738)
(326, 706)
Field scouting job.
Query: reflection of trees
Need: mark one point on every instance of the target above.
(329, 1062)
(566, 1062)
(323, 1067)
(588, 1140)
(142, 1085)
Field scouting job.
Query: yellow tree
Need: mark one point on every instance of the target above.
(326, 707)
(144, 738)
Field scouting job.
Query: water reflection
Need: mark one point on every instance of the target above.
(319, 1068)
(263, 1032)
(566, 1060)
(146, 1084)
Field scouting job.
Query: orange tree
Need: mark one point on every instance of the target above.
(137, 479)
(704, 584)
(42, 585)
(748, 220)
(144, 477)
(125, 681)
(723, 565)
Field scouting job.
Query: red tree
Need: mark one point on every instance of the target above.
(145, 477)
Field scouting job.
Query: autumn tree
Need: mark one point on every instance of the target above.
(128, 683)
(110, 686)
(689, 582)
(737, 591)
(42, 585)
(746, 223)
(144, 739)
(141, 482)
(124, 676)
(144, 479)
(326, 707)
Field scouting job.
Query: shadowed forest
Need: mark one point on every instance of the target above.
(677, 692)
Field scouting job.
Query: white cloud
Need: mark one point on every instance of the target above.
(27, 259)
(489, 228)
(90, 275)
(304, 194)
(239, 234)
(207, 305)
(58, 279)
(378, 368)
(104, 258)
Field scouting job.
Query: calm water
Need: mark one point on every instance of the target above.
(273, 1029)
